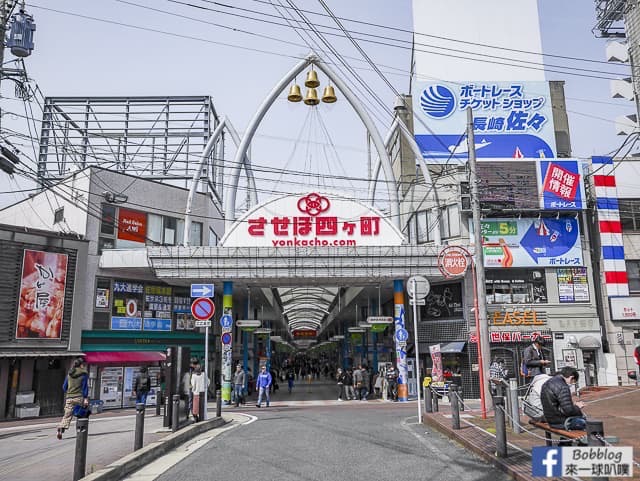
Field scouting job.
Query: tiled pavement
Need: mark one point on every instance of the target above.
(617, 407)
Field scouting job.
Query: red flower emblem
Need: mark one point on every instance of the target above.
(313, 204)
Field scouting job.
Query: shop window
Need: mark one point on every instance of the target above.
(516, 286)
(630, 214)
(633, 275)
(169, 231)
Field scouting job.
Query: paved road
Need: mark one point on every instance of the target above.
(354, 440)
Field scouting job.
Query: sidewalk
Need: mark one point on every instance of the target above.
(617, 407)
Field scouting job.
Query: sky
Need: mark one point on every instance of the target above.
(237, 51)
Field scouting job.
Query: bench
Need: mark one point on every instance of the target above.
(562, 433)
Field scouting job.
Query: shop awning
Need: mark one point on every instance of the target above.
(124, 356)
(589, 342)
(452, 347)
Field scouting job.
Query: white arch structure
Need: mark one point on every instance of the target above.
(225, 123)
(398, 125)
(230, 195)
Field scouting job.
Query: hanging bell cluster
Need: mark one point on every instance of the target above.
(311, 97)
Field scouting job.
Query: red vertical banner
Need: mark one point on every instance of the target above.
(42, 289)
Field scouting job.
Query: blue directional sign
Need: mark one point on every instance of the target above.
(201, 290)
(402, 335)
(226, 321)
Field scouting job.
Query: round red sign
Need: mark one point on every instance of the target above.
(203, 308)
(453, 261)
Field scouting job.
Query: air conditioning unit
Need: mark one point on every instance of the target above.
(465, 197)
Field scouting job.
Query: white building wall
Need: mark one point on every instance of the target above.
(501, 23)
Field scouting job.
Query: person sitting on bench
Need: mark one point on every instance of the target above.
(559, 409)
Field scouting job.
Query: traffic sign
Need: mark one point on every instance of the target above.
(422, 286)
(226, 321)
(402, 335)
(226, 338)
(202, 290)
(203, 323)
(418, 302)
(248, 323)
(203, 308)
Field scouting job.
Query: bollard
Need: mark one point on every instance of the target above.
(201, 408)
(501, 428)
(595, 437)
(455, 407)
(82, 432)
(428, 402)
(461, 397)
(158, 402)
(218, 403)
(175, 413)
(166, 420)
(515, 408)
(139, 434)
(434, 397)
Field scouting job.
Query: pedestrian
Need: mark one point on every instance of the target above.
(290, 378)
(392, 382)
(497, 374)
(263, 384)
(348, 385)
(238, 385)
(357, 381)
(141, 386)
(532, 403)
(559, 409)
(340, 382)
(76, 389)
(199, 384)
(364, 384)
(534, 359)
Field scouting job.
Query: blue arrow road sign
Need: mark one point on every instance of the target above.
(201, 290)
(226, 321)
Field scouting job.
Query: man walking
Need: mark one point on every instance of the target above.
(263, 384)
(238, 385)
(533, 358)
(76, 389)
(141, 386)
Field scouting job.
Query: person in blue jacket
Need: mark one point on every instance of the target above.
(76, 389)
(263, 383)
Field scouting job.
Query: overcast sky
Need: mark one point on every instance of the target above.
(236, 55)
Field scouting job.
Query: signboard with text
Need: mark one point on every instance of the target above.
(538, 242)
(561, 184)
(132, 225)
(312, 220)
(625, 308)
(511, 119)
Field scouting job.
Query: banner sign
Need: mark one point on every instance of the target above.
(561, 185)
(132, 225)
(42, 289)
(437, 374)
(511, 119)
(310, 220)
(573, 285)
(625, 308)
(531, 242)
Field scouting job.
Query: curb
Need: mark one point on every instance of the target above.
(136, 460)
(504, 464)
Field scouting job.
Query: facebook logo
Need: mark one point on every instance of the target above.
(547, 461)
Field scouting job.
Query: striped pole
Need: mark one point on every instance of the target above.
(610, 227)
(401, 346)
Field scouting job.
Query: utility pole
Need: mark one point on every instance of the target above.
(5, 11)
(484, 350)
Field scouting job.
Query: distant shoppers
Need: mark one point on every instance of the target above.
(364, 384)
(290, 378)
(534, 359)
(239, 379)
(357, 381)
(76, 389)
(340, 377)
(559, 409)
(263, 384)
(142, 386)
(199, 384)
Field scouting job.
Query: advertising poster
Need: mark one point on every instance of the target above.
(157, 308)
(42, 289)
(102, 298)
(132, 226)
(573, 285)
(436, 359)
(560, 184)
(538, 242)
(511, 119)
(127, 306)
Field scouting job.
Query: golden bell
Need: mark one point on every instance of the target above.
(329, 95)
(312, 97)
(312, 79)
(294, 93)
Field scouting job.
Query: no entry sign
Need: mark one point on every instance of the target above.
(203, 308)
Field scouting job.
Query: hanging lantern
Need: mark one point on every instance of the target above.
(294, 93)
(329, 95)
(312, 97)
